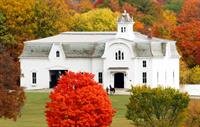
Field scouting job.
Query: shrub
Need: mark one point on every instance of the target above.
(79, 101)
(193, 119)
(157, 107)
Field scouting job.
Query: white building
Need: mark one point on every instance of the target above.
(120, 59)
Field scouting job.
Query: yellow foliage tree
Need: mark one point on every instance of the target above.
(51, 17)
(184, 73)
(164, 27)
(95, 20)
(195, 75)
(19, 18)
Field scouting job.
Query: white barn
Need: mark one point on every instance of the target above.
(120, 59)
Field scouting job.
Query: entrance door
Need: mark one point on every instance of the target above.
(54, 77)
(119, 80)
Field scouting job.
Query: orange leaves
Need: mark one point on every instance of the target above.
(84, 6)
(187, 35)
(78, 100)
(190, 11)
(188, 31)
(138, 26)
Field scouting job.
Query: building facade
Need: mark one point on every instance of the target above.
(121, 59)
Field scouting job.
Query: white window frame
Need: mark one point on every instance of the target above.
(34, 78)
(100, 77)
(119, 55)
(57, 53)
(144, 63)
(144, 77)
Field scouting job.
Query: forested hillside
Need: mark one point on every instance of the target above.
(179, 20)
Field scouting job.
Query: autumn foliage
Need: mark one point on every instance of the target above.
(79, 101)
(12, 97)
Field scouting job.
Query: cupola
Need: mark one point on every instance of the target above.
(125, 23)
(125, 26)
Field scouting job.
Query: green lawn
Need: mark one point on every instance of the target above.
(33, 112)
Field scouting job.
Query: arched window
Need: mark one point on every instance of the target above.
(119, 55)
(116, 57)
(57, 54)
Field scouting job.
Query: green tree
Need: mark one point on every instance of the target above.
(45, 18)
(145, 6)
(157, 107)
(174, 5)
(5, 36)
(51, 17)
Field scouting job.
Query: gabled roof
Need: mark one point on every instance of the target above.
(143, 50)
(92, 44)
(83, 50)
(96, 50)
(68, 37)
(36, 50)
(71, 50)
(158, 49)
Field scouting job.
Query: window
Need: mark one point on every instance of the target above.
(144, 77)
(144, 63)
(116, 56)
(57, 54)
(124, 29)
(34, 78)
(119, 55)
(100, 77)
(173, 77)
(122, 56)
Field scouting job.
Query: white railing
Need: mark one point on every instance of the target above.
(191, 89)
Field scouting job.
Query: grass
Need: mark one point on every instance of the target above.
(33, 112)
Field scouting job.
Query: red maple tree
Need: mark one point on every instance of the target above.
(79, 101)
(188, 38)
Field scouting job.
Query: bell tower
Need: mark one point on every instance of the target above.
(125, 25)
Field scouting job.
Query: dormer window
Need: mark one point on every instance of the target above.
(119, 55)
(57, 54)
